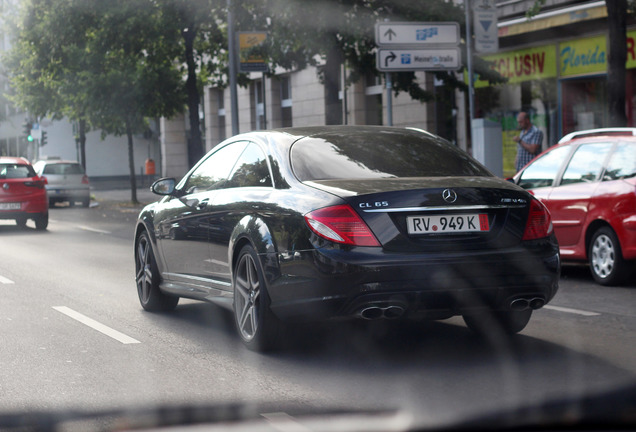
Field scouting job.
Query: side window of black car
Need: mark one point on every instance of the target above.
(586, 163)
(622, 163)
(251, 169)
(543, 171)
(214, 171)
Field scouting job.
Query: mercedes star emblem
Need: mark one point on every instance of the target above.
(449, 196)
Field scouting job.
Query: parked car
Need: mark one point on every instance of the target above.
(588, 183)
(346, 222)
(22, 193)
(66, 181)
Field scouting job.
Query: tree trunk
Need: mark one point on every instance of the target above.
(131, 163)
(617, 23)
(195, 145)
(82, 142)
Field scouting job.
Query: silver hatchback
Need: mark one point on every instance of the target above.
(66, 181)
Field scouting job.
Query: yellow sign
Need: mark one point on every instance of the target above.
(250, 60)
(576, 57)
(523, 65)
(583, 56)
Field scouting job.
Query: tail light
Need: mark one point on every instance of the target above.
(39, 182)
(539, 224)
(85, 179)
(341, 224)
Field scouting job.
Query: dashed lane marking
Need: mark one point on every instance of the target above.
(4, 280)
(572, 311)
(95, 230)
(125, 339)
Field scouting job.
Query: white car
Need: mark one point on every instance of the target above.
(66, 181)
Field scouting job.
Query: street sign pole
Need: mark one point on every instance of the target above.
(469, 54)
(389, 99)
(389, 90)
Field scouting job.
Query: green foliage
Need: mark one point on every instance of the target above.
(308, 32)
(103, 61)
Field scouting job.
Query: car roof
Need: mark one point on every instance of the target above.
(628, 133)
(57, 161)
(14, 160)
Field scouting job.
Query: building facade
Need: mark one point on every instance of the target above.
(556, 67)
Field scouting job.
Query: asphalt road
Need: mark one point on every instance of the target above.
(75, 337)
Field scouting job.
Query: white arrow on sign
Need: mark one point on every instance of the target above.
(395, 60)
(390, 33)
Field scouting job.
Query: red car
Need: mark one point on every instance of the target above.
(588, 183)
(22, 193)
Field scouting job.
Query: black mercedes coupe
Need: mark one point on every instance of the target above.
(333, 222)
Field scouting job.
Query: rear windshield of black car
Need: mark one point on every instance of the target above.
(384, 154)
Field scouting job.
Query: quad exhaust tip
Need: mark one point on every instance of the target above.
(521, 304)
(377, 312)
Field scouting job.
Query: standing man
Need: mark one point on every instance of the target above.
(528, 141)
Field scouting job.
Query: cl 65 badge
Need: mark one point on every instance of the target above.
(374, 204)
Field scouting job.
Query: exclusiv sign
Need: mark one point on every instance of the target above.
(578, 57)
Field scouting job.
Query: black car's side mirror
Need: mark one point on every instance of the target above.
(164, 186)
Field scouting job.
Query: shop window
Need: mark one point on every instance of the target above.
(373, 100)
(584, 103)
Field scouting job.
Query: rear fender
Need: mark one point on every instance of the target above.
(254, 231)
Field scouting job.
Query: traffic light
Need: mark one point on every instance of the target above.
(43, 139)
(27, 130)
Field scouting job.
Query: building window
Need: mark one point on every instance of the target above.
(258, 107)
(286, 101)
(373, 100)
(221, 114)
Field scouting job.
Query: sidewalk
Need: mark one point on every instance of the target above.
(123, 196)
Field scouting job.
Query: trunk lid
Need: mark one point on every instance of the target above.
(437, 214)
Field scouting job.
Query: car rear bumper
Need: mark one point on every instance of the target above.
(67, 193)
(28, 209)
(320, 284)
(21, 214)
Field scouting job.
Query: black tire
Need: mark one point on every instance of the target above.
(257, 326)
(21, 222)
(497, 322)
(606, 258)
(41, 221)
(147, 278)
(86, 202)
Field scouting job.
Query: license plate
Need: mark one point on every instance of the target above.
(10, 206)
(444, 224)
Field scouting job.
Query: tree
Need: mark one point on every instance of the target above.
(105, 64)
(197, 23)
(47, 73)
(138, 78)
(329, 33)
(617, 57)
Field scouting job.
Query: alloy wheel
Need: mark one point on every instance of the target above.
(603, 256)
(144, 270)
(247, 297)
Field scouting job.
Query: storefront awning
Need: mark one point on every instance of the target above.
(561, 17)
